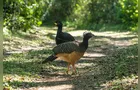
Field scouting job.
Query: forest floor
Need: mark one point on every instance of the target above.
(110, 62)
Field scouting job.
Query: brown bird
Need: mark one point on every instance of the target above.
(71, 51)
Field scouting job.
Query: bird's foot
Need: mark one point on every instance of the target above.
(67, 72)
(75, 72)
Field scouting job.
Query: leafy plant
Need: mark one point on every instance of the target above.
(22, 15)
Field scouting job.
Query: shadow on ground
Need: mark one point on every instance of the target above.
(104, 60)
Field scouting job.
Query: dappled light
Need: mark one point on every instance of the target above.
(97, 39)
(58, 87)
(92, 55)
(99, 64)
(125, 82)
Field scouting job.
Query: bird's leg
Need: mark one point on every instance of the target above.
(74, 69)
(68, 68)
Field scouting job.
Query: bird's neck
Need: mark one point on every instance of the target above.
(59, 30)
(85, 43)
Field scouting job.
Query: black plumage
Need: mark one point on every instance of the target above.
(62, 37)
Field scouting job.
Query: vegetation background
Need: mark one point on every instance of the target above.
(88, 14)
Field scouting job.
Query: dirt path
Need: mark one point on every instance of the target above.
(92, 73)
(96, 67)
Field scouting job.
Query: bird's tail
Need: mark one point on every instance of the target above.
(50, 58)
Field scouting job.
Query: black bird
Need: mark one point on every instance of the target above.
(62, 37)
(71, 51)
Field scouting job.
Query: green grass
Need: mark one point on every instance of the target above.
(125, 83)
(23, 66)
(123, 62)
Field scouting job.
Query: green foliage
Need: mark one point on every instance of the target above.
(129, 12)
(89, 14)
(59, 10)
(22, 15)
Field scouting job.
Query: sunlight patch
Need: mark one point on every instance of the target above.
(94, 55)
(125, 43)
(83, 65)
(77, 33)
(57, 87)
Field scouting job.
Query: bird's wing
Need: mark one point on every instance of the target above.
(67, 47)
(67, 36)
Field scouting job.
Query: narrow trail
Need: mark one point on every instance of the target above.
(91, 69)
